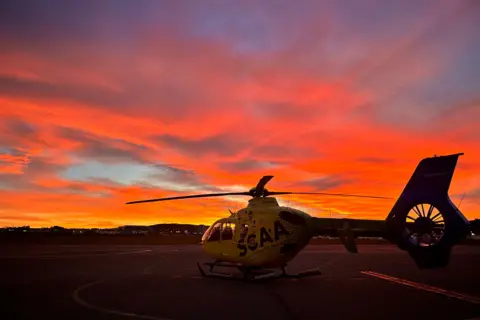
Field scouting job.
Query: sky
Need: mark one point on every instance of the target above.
(104, 102)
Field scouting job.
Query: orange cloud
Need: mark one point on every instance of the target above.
(347, 104)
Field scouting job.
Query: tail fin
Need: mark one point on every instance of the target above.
(424, 221)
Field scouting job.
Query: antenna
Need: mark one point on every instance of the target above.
(461, 200)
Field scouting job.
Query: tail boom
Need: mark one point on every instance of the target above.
(423, 221)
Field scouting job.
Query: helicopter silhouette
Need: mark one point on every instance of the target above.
(265, 236)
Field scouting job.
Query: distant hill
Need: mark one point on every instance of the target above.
(169, 228)
(170, 233)
(178, 226)
(156, 228)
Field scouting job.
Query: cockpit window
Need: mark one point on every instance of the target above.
(215, 233)
(228, 230)
(220, 231)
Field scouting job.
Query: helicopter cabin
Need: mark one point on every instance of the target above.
(226, 229)
(238, 224)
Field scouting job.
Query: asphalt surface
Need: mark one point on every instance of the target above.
(162, 282)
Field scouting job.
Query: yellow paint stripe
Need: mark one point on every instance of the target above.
(424, 287)
(76, 297)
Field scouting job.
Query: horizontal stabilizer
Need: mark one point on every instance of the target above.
(348, 240)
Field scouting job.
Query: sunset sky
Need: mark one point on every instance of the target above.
(103, 102)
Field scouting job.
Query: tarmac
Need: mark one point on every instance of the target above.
(163, 282)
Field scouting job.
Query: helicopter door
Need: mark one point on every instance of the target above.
(242, 233)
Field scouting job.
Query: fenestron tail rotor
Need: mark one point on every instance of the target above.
(256, 192)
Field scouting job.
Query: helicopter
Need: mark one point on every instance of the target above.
(265, 236)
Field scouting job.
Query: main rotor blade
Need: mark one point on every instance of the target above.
(193, 196)
(261, 184)
(328, 194)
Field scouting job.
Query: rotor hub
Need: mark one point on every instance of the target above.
(254, 192)
(423, 225)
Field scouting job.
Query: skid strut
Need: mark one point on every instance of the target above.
(303, 274)
(252, 273)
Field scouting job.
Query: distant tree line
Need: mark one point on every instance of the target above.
(170, 228)
(154, 229)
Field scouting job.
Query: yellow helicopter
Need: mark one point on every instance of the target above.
(264, 235)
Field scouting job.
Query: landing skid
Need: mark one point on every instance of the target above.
(252, 273)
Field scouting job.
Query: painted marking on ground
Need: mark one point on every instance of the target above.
(424, 287)
(190, 269)
(151, 268)
(76, 297)
(134, 252)
(331, 261)
(81, 255)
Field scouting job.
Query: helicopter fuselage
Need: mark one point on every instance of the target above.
(266, 235)
(263, 234)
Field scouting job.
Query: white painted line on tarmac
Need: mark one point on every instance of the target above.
(133, 252)
(424, 287)
(76, 297)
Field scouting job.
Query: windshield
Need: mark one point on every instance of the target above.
(220, 231)
(212, 233)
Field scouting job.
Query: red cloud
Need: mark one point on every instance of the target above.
(325, 106)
